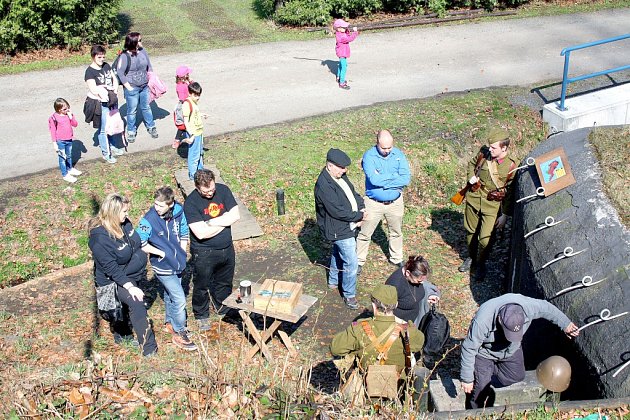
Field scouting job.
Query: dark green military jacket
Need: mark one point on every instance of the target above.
(478, 199)
(354, 339)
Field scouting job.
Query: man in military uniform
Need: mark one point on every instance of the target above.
(484, 212)
(354, 339)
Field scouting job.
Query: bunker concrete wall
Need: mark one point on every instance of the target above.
(589, 223)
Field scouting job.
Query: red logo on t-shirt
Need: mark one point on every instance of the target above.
(214, 209)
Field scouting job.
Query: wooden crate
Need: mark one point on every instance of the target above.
(278, 296)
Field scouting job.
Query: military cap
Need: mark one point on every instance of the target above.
(386, 294)
(497, 134)
(338, 157)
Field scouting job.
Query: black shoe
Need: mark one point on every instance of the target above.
(351, 303)
(465, 265)
(359, 268)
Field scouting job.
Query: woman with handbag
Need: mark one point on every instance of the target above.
(133, 67)
(119, 266)
(415, 292)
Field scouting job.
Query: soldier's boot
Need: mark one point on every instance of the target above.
(479, 266)
(465, 265)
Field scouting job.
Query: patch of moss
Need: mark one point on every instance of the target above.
(612, 147)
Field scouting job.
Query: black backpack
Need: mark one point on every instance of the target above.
(436, 330)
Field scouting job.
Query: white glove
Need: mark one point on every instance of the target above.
(473, 180)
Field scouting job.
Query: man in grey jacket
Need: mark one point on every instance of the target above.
(492, 353)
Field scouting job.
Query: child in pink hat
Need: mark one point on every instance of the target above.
(182, 80)
(343, 37)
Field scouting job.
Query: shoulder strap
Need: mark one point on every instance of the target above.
(391, 334)
(481, 158)
(510, 173)
(190, 109)
(128, 62)
(54, 120)
(494, 174)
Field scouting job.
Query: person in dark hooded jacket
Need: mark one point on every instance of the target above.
(118, 258)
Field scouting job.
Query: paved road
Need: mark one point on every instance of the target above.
(263, 84)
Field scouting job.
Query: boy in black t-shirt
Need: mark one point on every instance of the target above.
(211, 210)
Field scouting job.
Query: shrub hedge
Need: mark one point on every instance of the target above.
(36, 24)
(321, 12)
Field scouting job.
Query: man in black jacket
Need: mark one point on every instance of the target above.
(340, 212)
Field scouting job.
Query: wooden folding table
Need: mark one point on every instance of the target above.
(262, 336)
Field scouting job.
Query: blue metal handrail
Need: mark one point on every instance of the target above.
(567, 54)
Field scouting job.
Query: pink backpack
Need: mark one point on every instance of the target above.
(114, 124)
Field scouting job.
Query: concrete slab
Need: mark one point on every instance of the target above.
(446, 394)
(609, 106)
(247, 227)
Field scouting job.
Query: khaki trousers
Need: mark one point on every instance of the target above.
(479, 226)
(393, 214)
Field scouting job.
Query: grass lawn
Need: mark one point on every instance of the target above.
(64, 358)
(39, 238)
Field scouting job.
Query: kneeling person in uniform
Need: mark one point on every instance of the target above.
(380, 340)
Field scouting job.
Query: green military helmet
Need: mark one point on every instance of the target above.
(554, 373)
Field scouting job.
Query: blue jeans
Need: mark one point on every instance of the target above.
(65, 164)
(138, 98)
(174, 300)
(341, 70)
(104, 140)
(195, 156)
(343, 266)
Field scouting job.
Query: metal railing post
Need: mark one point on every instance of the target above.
(567, 54)
(565, 82)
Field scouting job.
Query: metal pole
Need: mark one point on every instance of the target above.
(565, 82)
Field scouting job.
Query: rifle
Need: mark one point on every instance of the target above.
(406, 351)
(461, 194)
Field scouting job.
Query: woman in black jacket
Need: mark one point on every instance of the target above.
(415, 292)
(119, 259)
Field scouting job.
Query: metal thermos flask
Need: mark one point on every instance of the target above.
(280, 201)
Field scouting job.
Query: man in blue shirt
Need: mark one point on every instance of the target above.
(386, 174)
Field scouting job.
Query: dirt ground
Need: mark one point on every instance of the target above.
(66, 298)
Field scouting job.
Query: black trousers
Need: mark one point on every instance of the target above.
(136, 317)
(498, 373)
(214, 274)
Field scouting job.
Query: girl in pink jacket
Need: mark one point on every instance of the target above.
(344, 37)
(60, 125)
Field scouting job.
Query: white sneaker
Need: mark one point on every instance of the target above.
(75, 172)
(117, 152)
(69, 178)
(109, 159)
